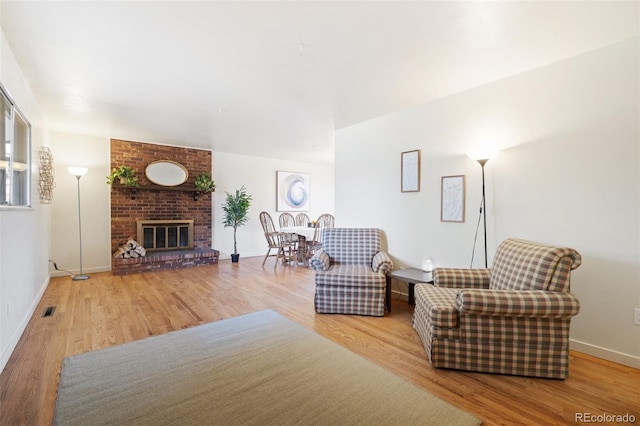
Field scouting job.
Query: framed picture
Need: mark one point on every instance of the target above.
(292, 191)
(410, 171)
(452, 199)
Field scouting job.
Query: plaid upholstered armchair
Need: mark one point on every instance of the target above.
(350, 272)
(510, 319)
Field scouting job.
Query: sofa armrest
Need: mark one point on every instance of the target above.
(319, 261)
(382, 263)
(461, 278)
(514, 303)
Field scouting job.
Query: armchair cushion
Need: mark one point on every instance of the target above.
(347, 275)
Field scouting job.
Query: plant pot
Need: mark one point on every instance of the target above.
(235, 257)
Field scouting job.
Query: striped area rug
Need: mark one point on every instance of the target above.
(256, 369)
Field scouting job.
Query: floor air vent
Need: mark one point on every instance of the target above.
(49, 311)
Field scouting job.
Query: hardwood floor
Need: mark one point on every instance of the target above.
(108, 310)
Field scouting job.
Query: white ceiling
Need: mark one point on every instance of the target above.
(277, 79)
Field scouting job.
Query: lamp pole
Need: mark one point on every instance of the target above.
(482, 162)
(78, 172)
(482, 157)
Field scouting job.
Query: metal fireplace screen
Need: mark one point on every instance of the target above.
(165, 234)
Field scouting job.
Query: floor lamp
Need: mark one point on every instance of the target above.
(78, 172)
(482, 157)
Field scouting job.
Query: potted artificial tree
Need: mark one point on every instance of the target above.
(235, 210)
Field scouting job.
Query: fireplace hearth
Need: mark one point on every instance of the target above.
(164, 260)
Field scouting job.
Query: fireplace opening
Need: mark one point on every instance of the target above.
(156, 235)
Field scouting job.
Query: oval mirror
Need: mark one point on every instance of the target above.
(166, 173)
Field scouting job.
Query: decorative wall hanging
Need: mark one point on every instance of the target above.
(410, 171)
(47, 174)
(452, 199)
(292, 191)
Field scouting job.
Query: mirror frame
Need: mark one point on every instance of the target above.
(166, 180)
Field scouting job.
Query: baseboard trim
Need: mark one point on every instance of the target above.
(604, 353)
(56, 274)
(402, 294)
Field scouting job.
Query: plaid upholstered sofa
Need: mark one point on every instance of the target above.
(510, 319)
(350, 272)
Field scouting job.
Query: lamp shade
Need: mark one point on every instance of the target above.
(482, 154)
(77, 171)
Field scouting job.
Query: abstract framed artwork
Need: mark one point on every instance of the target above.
(410, 171)
(292, 191)
(452, 203)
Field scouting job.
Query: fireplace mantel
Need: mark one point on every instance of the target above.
(183, 188)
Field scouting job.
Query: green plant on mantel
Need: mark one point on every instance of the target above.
(123, 174)
(204, 183)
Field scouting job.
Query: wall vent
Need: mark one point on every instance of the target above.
(49, 312)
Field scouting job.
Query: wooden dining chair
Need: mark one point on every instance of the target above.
(286, 219)
(280, 241)
(324, 221)
(302, 219)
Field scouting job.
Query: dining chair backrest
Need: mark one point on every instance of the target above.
(326, 220)
(302, 219)
(286, 219)
(267, 226)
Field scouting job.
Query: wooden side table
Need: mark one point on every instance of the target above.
(411, 276)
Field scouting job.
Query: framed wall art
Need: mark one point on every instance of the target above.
(292, 191)
(46, 182)
(410, 171)
(452, 205)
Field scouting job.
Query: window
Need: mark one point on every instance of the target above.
(15, 153)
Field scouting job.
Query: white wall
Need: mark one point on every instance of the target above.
(569, 174)
(24, 233)
(91, 152)
(258, 175)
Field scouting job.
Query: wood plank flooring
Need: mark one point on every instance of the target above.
(108, 310)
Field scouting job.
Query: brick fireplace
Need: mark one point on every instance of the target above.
(152, 203)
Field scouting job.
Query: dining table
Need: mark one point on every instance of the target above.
(305, 234)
